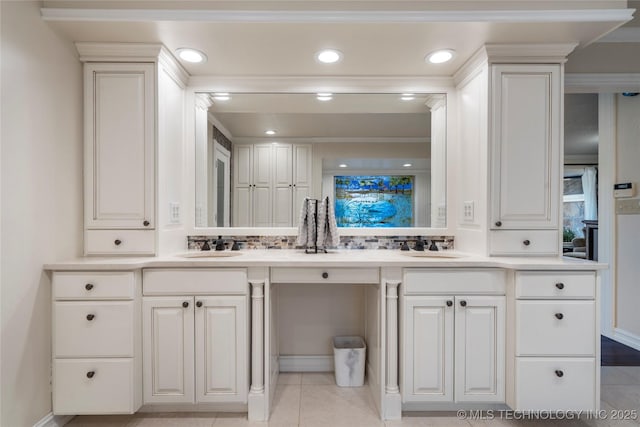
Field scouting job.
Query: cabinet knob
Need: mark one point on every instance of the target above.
(117, 242)
(185, 304)
(559, 373)
(325, 275)
(199, 304)
(145, 223)
(91, 374)
(498, 223)
(559, 316)
(526, 242)
(560, 285)
(449, 303)
(88, 286)
(463, 303)
(90, 317)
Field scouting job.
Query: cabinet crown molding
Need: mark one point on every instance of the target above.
(529, 53)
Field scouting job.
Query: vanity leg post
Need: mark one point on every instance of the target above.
(393, 405)
(257, 337)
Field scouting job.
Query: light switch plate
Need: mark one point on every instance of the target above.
(628, 207)
(468, 213)
(174, 213)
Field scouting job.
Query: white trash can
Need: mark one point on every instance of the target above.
(349, 356)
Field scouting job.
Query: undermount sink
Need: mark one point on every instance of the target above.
(430, 254)
(211, 254)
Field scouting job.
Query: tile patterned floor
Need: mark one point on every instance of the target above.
(312, 400)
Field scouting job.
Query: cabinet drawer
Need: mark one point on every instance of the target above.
(325, 275)
(93, 285)
(556, 285)
(539, 387)
(93, 329)
(191, 281)
(449, 281)
(108, 391)
(558, 328)
(513, 242)
(131, 242)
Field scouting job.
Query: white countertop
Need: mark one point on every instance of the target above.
(335, 258)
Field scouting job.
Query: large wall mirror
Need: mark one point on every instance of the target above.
(381, 158)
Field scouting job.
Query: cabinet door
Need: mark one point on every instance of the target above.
(242, 212)
(119, 145)
(221, 349)
(261, 207)
(480, 349)
(282, 212)
(302, 165)
(282, 165)
(299, 194)
(526, 144)
(168, 349)
(428, 341)
(242, 165)
(262, 161)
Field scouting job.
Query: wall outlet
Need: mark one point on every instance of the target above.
(468, 213)
(628, 207)
(174, 213)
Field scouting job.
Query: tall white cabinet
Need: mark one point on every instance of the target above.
(270, 182)
(526, 148)
(133, 111)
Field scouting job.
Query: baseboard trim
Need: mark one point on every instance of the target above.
(306, 363)
(51, 420)
(626, 338)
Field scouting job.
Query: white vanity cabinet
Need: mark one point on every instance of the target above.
(97, 356)
(556, 356)
(526, 144)
(195, 328)
(270, 182)
(453, 332)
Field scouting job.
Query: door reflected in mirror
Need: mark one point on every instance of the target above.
(380, 157)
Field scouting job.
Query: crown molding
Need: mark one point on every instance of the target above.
(471, 68)
(173, 67)
(529, 53)
(215, 122)
(622, 35)
(336, 16)
(601, 83)
(118, 52)
(203, 101)
(435, 101)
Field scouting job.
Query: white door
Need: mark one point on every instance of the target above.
(242, 165)
(302, 165)
(242, 207)
(526, 146)
(428, 343)
(262, 161)
(262, 207)
(282, 211)
(168, 349)
(221, 349)
(480, 349)
(220, 186)
(282, 165)
(119, 146)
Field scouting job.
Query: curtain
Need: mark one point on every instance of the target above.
(590, 196)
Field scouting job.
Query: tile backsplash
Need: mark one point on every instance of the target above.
(346, 242)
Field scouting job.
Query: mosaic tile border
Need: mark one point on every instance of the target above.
(346, 242)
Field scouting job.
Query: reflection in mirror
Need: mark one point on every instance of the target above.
(380, 157)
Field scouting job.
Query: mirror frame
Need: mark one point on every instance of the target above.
(313, 84)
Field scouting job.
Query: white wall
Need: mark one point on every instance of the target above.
(41, 198)
(628, 226)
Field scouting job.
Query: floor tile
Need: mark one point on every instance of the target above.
(290, 378)
(101, 421)
(174, 419)
(330, 405)
(625, 397)
(236, 420)
(620, 375)
(435, 419)
(286, 405)
(318, 378)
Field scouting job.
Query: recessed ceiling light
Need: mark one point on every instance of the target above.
(270, 132)
(191, 55)
(407, 165)
(324, 96)
(342, 165)
(440, 56)
(221, 96)
(329, 56)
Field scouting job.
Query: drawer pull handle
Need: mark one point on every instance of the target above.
(199, 304)
(498, 223)
(185, 304)
(90, 317)
(559, 316)
(145, 223)
(449, 303)
(526, 242)
(560, 285)
(463, 303)
(88, 286)
(559, 373)
(91, 374)
(325, 275)
(117, 242)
